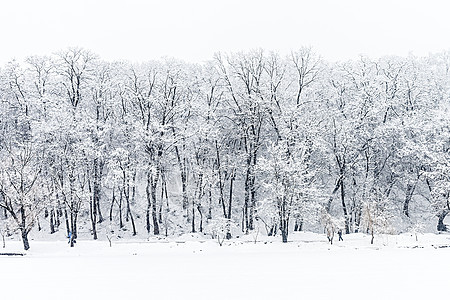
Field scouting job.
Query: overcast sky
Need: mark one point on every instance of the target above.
(193, 30)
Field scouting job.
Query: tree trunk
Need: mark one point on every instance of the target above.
(209, 217)
(52, 221)
(73, 233)
(154, 182)
(161, 199)
(409, 193)
(129, 213)
(98, 191)
(26, 244)
(440, 225)
(184, 187)
(344, 208)
(149, 202)
(284, 219)
(120, 209)
(247, 197)
(182, 166)
(23, 229)
(133, 225)
(95, 198)
(73, 222)
(93, 214)
(284, 234)
(298, 226)
(230, 201)
(358, 214)
(198, 196)
(133, 189)
(193, 217)
(201, 218)
(220, 182)
(112, 205)
(252, 195)
(66, 217)
(94, 223)
(59, 212)
(100, 216)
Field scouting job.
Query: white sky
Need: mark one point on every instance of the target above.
(193, 30)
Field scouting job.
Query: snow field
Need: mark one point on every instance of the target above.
(395, 267)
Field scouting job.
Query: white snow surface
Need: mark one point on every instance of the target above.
(196, 267)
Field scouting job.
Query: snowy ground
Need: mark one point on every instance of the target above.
(191, 267)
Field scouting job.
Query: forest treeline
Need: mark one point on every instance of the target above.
(243, 141)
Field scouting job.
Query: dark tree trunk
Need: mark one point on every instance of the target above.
(284, 233)
(284, 218)
(112, 205)
(93, 213)
(344, 208)
(184, 188)
(230, 201)
(129, 213)
(23, 229)
(409, 193)
(120, 210)
(149, 203)
(72, 241)
(26, 244)
(133, 225)
(73, 210)
(95, 199)
(98, 191)
(73, 227)
(270, 233)
(243, 221)
(199, 194)
(220, 182)
(52, 221)
(193, 217)
(73, 223)
(440, 225)
(182, 166)
(201, 218)
(154, 182)
(66, 217)
(252, 196)
(250, 192)
(59, 212)
(160, 214)
(298, 226)
(358, 213)
(247, 197)
(100, 216)
(209, 217)
(98, 173)
(133, 189)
